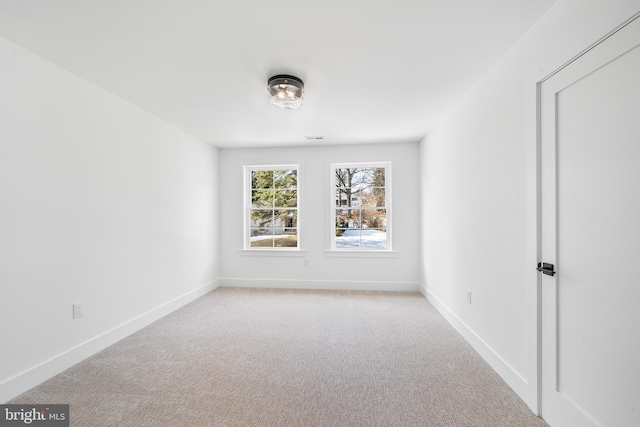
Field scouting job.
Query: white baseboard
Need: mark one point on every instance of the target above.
(33, 376)
(347, 285)
(516, 381)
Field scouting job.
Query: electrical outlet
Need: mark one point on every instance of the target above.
(306, 262)
(469, 296)
(77, 310)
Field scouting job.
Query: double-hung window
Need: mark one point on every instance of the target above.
(361, 213)
(271, 207)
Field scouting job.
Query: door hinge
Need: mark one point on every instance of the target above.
(546, 268)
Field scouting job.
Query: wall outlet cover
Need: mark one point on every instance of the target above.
(77, 310)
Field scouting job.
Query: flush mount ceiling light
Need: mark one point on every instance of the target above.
(286, 91)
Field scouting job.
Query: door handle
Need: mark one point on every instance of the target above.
(546, 268)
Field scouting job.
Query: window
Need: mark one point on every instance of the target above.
(361, 216)
(272, 207)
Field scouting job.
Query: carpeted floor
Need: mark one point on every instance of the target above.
(251, 357)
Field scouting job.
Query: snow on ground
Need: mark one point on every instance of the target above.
(262, 237)
(367, 239)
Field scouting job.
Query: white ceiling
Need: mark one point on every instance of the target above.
(374, 70)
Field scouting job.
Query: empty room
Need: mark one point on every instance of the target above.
(409, 213)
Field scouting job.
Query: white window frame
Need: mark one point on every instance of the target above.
(248, 207)
(332, 180)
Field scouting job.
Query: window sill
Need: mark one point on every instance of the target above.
(338, 253)
(273, 252)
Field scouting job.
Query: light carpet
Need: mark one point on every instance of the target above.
(266, 357)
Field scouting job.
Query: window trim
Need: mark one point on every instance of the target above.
(246, 224)
(357, 252)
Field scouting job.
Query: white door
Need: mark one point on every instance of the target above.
(590, 219)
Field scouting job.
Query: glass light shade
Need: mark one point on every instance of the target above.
(286, 91)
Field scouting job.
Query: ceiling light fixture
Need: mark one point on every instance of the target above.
(286, 91)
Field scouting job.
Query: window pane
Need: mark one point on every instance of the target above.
(355, 221)
(367, 199)
(261, 237)
(373, 239)
(287, 239)
(285, 230)
(342, 177)
(285, 179)
(261, 218)
(342, 196)
(261, 231)
(348, 217)
(286, 218)
(350, 240)
(261, 179)
(378, 177)
(361, 180)
(361, 238)
(262, 198)
(374, 218)
(341, 218)
(286, 198)
(263, 242)
(379, 196)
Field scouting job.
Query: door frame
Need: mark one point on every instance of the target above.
(534, 81)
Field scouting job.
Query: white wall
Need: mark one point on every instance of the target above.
(102, 203)
(396, 272)
(479, 193)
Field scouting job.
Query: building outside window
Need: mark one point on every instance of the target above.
(271, 207)
(361, 213)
